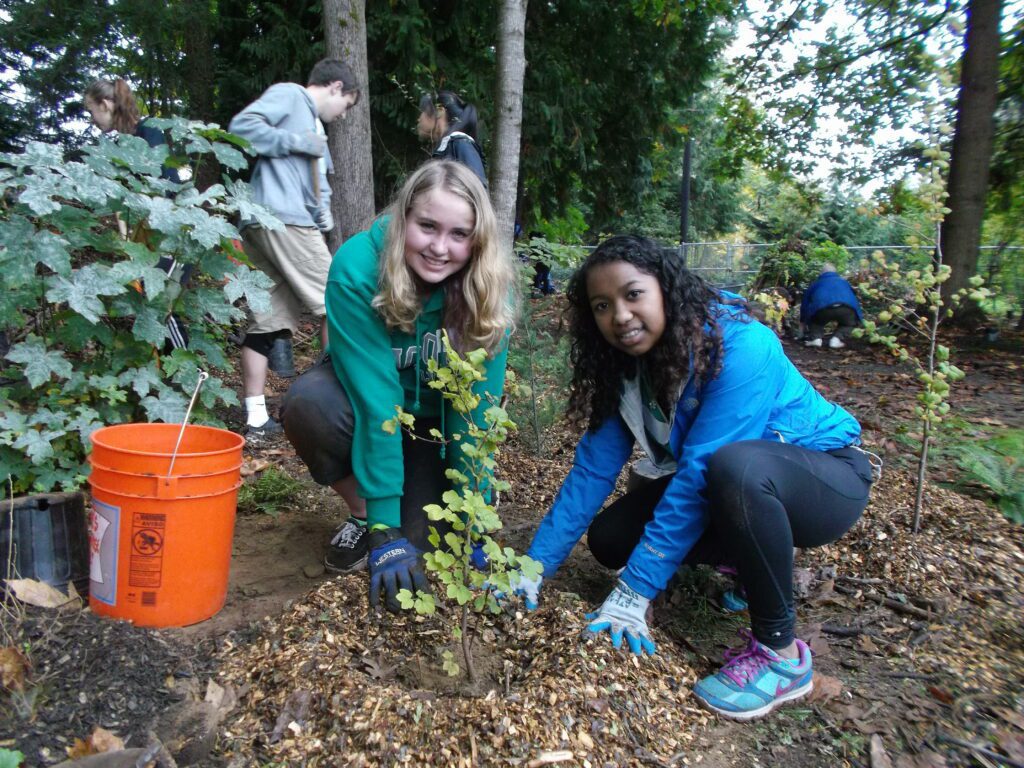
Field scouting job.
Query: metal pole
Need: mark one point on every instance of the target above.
(684, 198)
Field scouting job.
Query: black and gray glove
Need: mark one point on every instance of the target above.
(394, 565)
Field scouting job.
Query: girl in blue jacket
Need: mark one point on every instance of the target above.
(753, 460)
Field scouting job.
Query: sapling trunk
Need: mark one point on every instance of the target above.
(467, 645)
(929, 412)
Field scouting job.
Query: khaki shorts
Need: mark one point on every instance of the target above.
(297, 260)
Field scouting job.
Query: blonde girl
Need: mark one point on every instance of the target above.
(431, 264)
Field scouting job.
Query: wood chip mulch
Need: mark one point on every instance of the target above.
(332, 683)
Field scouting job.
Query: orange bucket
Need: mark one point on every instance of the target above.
(160, 486)
(160, 547)
(148, 449)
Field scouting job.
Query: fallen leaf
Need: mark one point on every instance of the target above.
(866, 644)
(104, 741)
(223, 698)
(13, 666)
(38, 593)
(826, 688)
(879, 757)
(376, 670)
(250, 468)
(820, 648)
(940, 694)
(100, 741)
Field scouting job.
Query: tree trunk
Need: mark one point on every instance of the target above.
(197, 65)
(509, 99)
(972, 142)
(349, 139)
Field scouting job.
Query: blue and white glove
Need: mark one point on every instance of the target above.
(624, 612)
(528, 589)
(394, 565)
(324, 220)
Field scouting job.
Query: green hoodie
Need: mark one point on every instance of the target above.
(380, 369)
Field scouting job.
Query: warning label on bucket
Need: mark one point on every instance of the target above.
(147, 560)
(103, 524)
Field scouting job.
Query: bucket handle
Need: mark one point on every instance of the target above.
(203, 376)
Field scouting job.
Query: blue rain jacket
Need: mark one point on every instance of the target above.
(758, 394)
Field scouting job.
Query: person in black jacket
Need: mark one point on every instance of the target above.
(112, 107)
(450, 124)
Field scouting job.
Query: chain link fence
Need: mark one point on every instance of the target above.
(733, 265)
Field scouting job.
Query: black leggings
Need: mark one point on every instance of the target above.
(765, 498)
(843, 316)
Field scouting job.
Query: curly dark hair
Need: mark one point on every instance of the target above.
(690, 304)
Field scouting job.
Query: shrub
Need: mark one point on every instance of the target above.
(468, 511)
(84, 307)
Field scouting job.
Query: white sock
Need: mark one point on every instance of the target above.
(256, 411)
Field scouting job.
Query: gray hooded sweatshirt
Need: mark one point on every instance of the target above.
(281, 125)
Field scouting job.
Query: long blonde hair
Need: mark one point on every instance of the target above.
(479, 298)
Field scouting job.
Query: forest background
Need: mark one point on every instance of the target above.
(616, 96)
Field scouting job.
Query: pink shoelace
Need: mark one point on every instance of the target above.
(742, 664)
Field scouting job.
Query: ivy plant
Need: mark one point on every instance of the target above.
(83, 310)
(468, 513)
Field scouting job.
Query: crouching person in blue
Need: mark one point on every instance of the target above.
(829, 299)
(755, 462)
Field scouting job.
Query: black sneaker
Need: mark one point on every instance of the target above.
(268, 428)
(348, 550)
(281, 360)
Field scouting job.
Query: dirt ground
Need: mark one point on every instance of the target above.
(918, 640)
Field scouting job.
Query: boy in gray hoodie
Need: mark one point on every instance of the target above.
(285, 127)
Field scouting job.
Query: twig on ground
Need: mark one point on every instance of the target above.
(888, 602)
(832, 629)
(979, 750)
(856, 580)
(549, 758)
(910, 675)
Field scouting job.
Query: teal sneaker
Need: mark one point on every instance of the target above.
(755, 680)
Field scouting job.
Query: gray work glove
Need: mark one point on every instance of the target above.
(624, 612)
(310, 144)
(324, 220)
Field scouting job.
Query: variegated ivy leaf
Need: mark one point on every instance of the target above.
(89, 186)
(248, 209)
(12, 419)
(85, 422)
(37, 444)
(141, 380)
(39, 197)
(149, 326)
(83, 290)
(130, 152)
(253, 285)
(37, 155)
(214, 390)
(206, 230)
(169, 408)
(39, 364)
